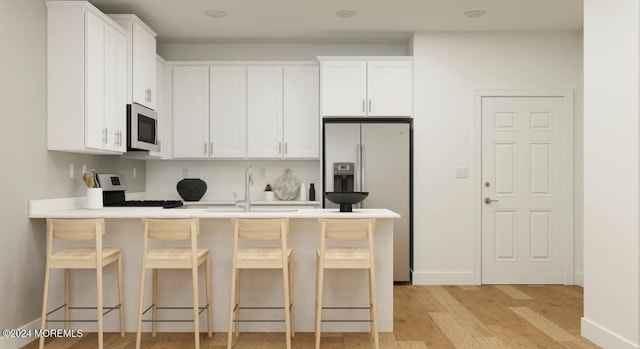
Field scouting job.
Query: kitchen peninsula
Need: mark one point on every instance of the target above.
(124, 229)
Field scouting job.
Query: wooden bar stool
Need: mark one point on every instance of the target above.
(347, 258)
(261, 258)
(174, 258)
(80, 258)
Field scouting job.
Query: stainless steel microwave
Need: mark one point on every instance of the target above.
(142, 128)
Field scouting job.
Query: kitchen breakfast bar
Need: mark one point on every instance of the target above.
(343, 288)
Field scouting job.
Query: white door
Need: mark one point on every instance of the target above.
(96, 135)
(301, 112)
(264, 112)
(228, 119)
(191, 112)
(389, 89)
(525, 183)
(344, 88)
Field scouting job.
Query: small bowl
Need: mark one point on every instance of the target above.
(346, 199)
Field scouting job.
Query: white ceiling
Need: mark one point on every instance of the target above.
(314, 21)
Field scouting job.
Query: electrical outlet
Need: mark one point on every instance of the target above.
(462, 172)
(263, 172)
(84, 168)
(185, 173)
(71, 174)
(134, 172)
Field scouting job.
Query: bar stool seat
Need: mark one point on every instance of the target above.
(174, 258)
(251, 257)
(346, 230)
(80, 258)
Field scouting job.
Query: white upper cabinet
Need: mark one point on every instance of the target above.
(164, 108)
(301, 112)
(228, 111)
(344, 88)
(141, 53)
(191, 112)
(264, 112)
(257, 112)
(359, 88)
(86, 80)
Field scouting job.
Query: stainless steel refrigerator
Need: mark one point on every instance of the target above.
(381, 150)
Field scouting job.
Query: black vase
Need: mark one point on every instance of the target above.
(191, 189)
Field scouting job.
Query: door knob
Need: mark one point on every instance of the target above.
(489, 200)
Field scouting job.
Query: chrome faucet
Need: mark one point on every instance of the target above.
(248, 180)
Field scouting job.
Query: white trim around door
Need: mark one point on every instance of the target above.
(567, 245)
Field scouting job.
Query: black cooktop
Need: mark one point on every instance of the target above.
(145, 203)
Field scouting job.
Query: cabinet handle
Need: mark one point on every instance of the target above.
(363, 106)
(115, 138)
(149, 94)
(285, 148)
(205, 148)
(159, 145)
(369, 105)
(279, 147)
(105, 137)
(210, 147)
(120, 137)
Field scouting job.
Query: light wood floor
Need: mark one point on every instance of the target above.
(434, 317)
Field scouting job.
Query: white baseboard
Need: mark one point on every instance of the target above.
(578, 279)
(14, 343)
(453, 278)
(603, 337)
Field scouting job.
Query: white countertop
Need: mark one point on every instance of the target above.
(253, 203)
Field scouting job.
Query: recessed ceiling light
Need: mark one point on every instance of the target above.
(346, 13)
(475, 13)
(215, 13)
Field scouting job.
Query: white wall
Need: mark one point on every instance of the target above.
(274, 52)
(29, 171)
(612, 173)
(448, 69)
(224, 177)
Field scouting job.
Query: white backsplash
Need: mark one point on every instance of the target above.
(226, 177)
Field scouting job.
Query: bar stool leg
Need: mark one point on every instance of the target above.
(121, 296)
(320, 284)
(237, 314)
(140, 305)
(287, 302)
(67, 296)
(100, 319)
(232, 306)
(196, 322)
(154, 302)
(291, 306)
(374, 307)
(207, 277)
(45, 299)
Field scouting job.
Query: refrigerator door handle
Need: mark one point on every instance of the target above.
(363, 166)
(357, 184)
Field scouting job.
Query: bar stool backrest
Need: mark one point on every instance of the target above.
(171, 229)
(347, 229)
(75, 229)
(260, 229)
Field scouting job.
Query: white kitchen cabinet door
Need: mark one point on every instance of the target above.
(344, 88)
(143, 68)
(96, 135)
(389, 88)
(191, 112)
(301, 112)
(115, 100)
(264, 112)
(164, 101)
(228, 112)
